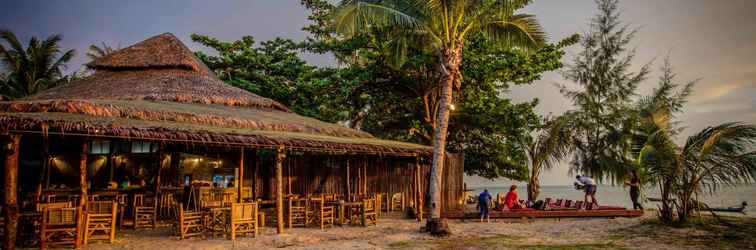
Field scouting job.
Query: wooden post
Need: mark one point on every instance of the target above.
(240, 180)
(364, 178)
(11, 149)
(418, 178)
(280, 156)
(257, 174)
(83, 188)
(159, 170)
(348, 180)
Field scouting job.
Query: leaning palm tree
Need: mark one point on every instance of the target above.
(97, 51)
(549, 147)
(34, 68)
(441, 26)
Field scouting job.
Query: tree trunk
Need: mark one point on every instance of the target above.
(451, 61)
(10, 194)
(534, 186)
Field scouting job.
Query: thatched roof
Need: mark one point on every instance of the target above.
(158, 90)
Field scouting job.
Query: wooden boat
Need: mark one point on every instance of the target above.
(740, 209)
(733, 209)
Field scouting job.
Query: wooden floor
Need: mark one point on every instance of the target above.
(609, 213)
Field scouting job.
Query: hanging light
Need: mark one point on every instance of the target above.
(452, 107)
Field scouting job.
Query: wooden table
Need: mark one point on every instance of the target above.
(343, 207)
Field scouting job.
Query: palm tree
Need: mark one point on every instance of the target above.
(551, 146)
(441, 26)
(35, 68)
(96, 51)
(716, 156)
(655, 133)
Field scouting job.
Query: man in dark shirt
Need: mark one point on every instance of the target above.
(484, 202)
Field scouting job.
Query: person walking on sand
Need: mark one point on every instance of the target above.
(634, 184)
(484, 202)
(590, 188)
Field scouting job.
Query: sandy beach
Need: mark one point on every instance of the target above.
(396, 233)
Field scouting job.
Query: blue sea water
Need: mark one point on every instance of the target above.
(619, 195)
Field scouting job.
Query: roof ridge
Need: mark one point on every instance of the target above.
(157, 52)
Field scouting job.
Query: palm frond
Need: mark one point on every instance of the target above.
(353, 17)
(519, 31)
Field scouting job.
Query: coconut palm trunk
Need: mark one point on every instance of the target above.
(534, 186)
(452, 58)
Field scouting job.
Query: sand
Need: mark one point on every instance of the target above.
(393, 232)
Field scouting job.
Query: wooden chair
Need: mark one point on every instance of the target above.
(369, 214)
(188, 223)
(42, 206)
(323, 214)
(228, 197)
(397, 203)
(100, 221)
(166, 206)
(243, 219)
(60, 227)
(299, 212)
(145, 211)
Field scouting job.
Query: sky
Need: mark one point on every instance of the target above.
(714, 41)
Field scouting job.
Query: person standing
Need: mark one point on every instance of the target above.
(590, 188)
(634, 184)
(484, 202)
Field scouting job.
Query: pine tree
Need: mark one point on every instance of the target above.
(603, 116)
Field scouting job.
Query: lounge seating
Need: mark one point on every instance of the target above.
(188, 223)
(243, 219)
(100, 221)
(60, 227)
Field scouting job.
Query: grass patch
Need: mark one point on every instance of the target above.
(730, 233)
(495, 242)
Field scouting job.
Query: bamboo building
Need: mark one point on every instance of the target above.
(152, 114)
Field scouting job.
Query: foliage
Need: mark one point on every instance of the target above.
(97, 51)
(399, 100)
(552, 144)
(718, 155)
(28, 70)
(656, 130)
(604, 117)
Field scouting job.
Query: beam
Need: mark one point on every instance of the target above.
(280, 156)
(11, 149)
(240, 180)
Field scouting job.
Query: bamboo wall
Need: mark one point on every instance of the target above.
(312, 174)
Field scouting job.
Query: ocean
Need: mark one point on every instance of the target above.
(619, 195)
